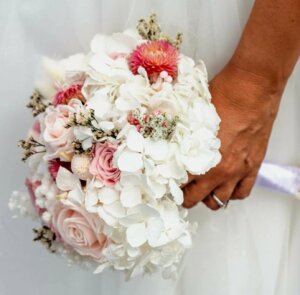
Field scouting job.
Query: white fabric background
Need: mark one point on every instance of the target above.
(252, 248)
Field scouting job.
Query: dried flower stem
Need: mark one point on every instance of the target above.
(31, 147)
(46, 236)
(36, 103)
(150, 30)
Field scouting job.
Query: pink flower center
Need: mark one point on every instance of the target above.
(155, 57)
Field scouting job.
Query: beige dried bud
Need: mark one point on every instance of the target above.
(80, 166)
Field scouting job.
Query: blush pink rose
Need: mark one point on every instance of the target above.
(32, 186)
(102, 164)
(79, 229)
(57, 137)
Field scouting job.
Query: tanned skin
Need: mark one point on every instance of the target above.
(247, 95)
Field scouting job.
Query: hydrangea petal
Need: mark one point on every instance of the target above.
(108, 195)
(171, 170)
(100, 103)
(136, 234)
(135, 140)
(130, 196)
(155, 227)
(115, 209)
(129, 161)
(108, 218)
(176, 192)
(156, 149)
(66, 180)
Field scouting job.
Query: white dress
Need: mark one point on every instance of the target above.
(252, 248)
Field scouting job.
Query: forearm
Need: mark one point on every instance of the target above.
(270, 44)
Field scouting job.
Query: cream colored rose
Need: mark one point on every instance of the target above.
(81, 230)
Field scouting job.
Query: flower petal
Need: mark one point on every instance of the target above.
(115, 209)
(135, 141)
(108, 195)
(100, 103)
(130, 161)
(131, 196)
(156, 149)
(171, 170)
(108, 219)
(66, 180)
(136, 234)
(176, 192)
(100, 268)
(155, 227)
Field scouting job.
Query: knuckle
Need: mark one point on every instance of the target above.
(228, 168)
(252, 163)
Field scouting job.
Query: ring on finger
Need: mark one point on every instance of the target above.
(219, 201)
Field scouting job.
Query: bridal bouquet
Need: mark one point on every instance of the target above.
(116, 132)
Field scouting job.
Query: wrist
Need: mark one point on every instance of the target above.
(247, 92)
(265, 70)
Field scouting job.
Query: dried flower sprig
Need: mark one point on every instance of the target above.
(36, 103)
(150, 30)
(78, 148)
(46, 236)
(87, 119)
(156, 125)
(31, 147)
(84, 119)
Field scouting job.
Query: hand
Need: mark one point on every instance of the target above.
(247, 105)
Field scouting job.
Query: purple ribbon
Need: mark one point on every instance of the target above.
(281, 178)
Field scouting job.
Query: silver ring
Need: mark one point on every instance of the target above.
(219, 202)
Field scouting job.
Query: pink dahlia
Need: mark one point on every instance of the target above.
(65, 95)
(155, 57)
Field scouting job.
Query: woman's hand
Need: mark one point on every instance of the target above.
(247, 100)
(247, 104)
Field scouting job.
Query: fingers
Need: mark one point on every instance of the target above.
(244, 187)
(196, 191)
(191, 178)
(223, 192)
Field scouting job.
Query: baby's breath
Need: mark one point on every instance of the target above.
(156, 125)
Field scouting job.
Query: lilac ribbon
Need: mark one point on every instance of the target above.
(281, 178)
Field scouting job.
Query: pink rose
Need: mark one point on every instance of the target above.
(57, 137)
(32, 186)
(102, 164)
(81, 230)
